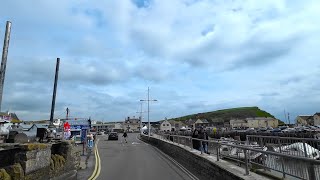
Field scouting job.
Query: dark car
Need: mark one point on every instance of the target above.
(276, 130)
(113, 136)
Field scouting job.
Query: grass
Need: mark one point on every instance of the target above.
(225, 115)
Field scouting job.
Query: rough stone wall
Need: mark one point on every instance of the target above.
(36, 161)
(67, 160)
(7, 156)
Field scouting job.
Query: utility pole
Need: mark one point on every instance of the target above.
(148, 100)
(289, 118)
(4, 59)
(285, 115)
(54, 93)
(67, 116)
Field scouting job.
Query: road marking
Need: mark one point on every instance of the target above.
(97, 168)
(141, 141)
(135, 143)
(178, 164)
(174, 162)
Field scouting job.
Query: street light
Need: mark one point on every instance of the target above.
(148, 109)
(141, 117)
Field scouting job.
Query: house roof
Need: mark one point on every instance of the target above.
(14, 117)
(132, 121)
(190, 121)
(204, 121)
(306, 117)
(317, 113)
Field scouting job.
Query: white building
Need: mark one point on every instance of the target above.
(165, 126)
(316, 119)
(256, 122)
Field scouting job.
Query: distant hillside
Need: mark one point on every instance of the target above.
(226, 114)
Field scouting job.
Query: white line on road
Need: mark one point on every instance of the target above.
(178, 164)
(173, 161)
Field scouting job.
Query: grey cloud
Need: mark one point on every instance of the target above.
(270, 94)
(290, 80)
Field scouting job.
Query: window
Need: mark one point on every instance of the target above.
(167, 124)
(163, 125)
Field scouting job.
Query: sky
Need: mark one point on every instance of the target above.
(195, 55)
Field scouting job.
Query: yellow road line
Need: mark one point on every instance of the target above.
(97, 167)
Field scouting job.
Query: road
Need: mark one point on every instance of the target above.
(137, 160)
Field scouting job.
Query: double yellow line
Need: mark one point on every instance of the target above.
(97, 167)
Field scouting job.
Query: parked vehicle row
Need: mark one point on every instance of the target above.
(280, 129)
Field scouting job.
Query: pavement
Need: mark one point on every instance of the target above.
(87, 162)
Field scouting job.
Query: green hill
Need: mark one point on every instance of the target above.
(226, 114)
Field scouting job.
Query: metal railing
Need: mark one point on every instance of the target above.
(255, 157)
(304, 147)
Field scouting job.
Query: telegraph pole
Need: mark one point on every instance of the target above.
(4, 59)
(68, 111)
(54, 93)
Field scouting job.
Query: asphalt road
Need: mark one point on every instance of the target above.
(137, 160)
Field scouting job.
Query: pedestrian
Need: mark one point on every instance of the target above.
(125, 135)
(90, 140)
(195, 142)
(204, 145)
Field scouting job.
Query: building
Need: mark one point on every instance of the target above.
(165, 126)
(304, 120)
(9, 117)
(255, 122)
(239, 123)
(132, 124)
(316, 119)
(308, 120)
(107, 126)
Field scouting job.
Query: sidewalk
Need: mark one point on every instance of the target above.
(87, 163)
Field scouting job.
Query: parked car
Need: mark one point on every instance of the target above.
(276, 130)
(289, 130)
(263, 129)
(113, 136)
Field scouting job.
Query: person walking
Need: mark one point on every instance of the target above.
(204, 145)
(195, 143)
(90, 140)
(125, 135)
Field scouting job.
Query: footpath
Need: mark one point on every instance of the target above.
(87, 162)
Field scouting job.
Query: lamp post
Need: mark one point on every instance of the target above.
(141, 117)
(148, 100)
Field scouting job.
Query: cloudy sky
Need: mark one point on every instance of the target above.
(195, 55)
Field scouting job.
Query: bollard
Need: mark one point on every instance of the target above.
(218, 151)
(246, 161)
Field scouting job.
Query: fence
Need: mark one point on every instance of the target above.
(304, 147)
(255, 156)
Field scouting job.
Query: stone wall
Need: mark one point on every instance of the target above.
(201, 165)
(39, 161)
